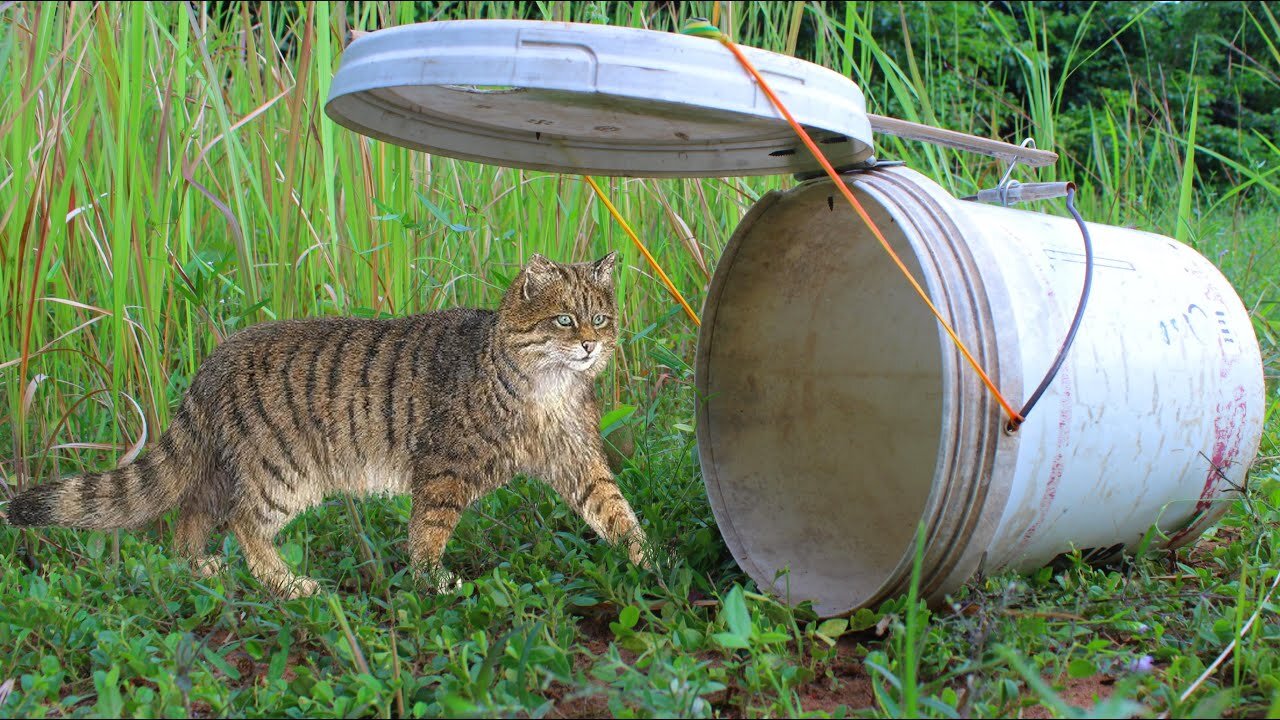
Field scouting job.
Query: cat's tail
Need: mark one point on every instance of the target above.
(126, 497)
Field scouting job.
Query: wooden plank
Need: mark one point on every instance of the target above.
(961, 141)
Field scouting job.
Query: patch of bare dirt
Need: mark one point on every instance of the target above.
(1201, 552)
(842, 681)
(848, 684)
(588, 703)
(593, 623)
(1081, 693)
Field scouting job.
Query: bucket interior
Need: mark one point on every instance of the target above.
(822, 391)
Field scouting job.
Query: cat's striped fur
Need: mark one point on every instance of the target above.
(445, 406)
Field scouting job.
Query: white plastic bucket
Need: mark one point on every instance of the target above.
(835, 414)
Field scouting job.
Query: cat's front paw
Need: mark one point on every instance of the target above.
(640, 556)
(207, 566)
(439, 581)
(293, 587)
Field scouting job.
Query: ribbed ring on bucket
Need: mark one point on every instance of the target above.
(966, 459)
(970, 420)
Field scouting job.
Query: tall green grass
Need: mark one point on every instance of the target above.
(169, 177)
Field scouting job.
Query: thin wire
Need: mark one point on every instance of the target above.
(1075, 321)
(617, 216)
(702, 28)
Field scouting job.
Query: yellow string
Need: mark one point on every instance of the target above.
(671, 288)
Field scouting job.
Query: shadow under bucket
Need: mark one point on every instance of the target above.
(835, 415)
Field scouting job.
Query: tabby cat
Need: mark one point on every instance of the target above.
(444, 406)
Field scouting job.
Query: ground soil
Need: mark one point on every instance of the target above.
(1082, 693)
(841, 682)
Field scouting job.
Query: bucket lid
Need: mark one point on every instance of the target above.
(594, 99)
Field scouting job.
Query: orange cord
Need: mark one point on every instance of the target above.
(1014, 418)
(671, 288)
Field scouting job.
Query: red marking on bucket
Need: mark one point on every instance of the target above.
(1227, 435)
(1058, 466)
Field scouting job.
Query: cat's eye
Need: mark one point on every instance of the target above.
(599, 320)
(564, 320)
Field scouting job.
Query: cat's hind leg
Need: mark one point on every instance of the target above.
(265, 562)
(192, 535)
(203, 507)
(264, 505)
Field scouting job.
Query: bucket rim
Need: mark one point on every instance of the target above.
(957, 529)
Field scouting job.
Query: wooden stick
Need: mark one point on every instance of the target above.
(961, 141)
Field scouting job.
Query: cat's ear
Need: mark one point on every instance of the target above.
(602, 269)
(538, 273)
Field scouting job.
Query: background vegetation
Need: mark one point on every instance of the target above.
(167, 176)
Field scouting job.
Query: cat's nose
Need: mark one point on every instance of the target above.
(588, 345)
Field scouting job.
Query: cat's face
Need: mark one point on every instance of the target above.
(563, 318)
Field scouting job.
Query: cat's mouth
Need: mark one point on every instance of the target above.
(584, 361)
